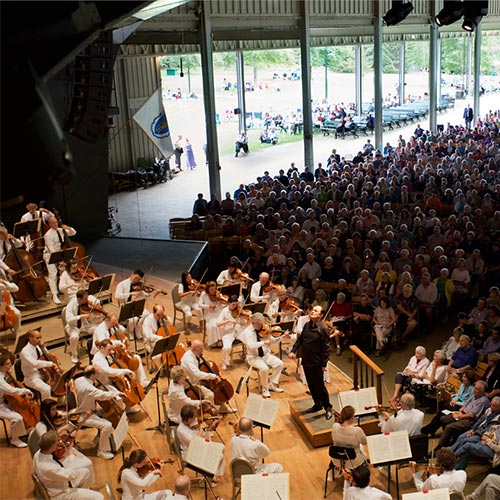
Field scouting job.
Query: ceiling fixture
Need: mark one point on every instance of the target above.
(473, 13)
(451, 12)
(397, 12)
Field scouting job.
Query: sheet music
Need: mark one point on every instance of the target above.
(359, 399)
(389, 447)
(116, 439)
(204, 455)
(261, 410)
(439, 494)
(265, 486)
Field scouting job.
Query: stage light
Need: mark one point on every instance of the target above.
(473, 13)
(451, 12)
(397, 12)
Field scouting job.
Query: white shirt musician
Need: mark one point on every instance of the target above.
(78, 321)
(7, 242)
(154, 320)
(8, 287)
(231, 322)
(62, 482)
(36, 213)
(68, 285)
(17, 427)
(259, 355)
(177, 397)
(110, 327)
(251, 449)
(130, 290)
(408, 418)
(54, 242)
(189, 296)
(31, 365)
(211, 307)
(258, 291)
(282, 308)
(87, 395)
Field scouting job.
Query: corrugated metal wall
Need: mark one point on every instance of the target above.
(135, 79)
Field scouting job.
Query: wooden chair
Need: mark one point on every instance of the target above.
(448, 389)
(4, 422)
(40, 491)
(239, 467)
(480, 369)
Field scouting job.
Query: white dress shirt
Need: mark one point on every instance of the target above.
(253, 450)
(190, 362)
(122, 293)
(87, 394)
(255, 295)
(105, 371)
(133, 485)
(149, 329)
(30, 364)
(409, 420)
(102, 333)
(368, 493)
(454, 480)
(52, 240)
(177, 398)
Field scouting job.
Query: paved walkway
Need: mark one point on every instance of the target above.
(145, 213)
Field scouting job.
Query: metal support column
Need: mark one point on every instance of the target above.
(433, 76)
(207, 73)
(477, 69)
(325, 63)
(358, 48)
(402, 72)
(377, 71)
(438, 71)
(468, 69)
(305, 63)
(240, 80)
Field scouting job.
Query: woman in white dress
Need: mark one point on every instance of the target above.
(211, 304)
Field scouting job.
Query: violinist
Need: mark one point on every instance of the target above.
(188, 428)
(103, 361)
(110, 329)
(54, 241)
(345, 433)
(262, 290)
(49, 422)
(450, 478)
(260, 356)
(283, 308)
(244, 445)
(231, 322)
(6, 289)
(360, 488)
(177, 397)
(31, 364)
(82, 315)
(408, 418)
(130, 290)
(315, 344)
(133, 482)
(70, 483)
(17, 427)
(71, 280)
(87, 394)
(189, 292)
(211, 305)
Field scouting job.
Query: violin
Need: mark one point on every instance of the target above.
(390, 409)
(154, 463)
(67, 439)
(270, 287)
(430, 469)
(238, 274)
(273, 331)
(82, 275)
(94, 309)
(196, 286)
(142, 287)
(239, 311)
(218, 297)
(289, 305)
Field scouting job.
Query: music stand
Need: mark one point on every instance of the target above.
(62, 255)
(26, 228)
(101, 284)
(284, 325)
(256, 307)
(22, 340)
(133, 309)
(66, 377)
(229, 290)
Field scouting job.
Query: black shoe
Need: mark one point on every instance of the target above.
(314, 409)
(328, 414)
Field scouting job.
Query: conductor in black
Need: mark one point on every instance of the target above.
(315, 344)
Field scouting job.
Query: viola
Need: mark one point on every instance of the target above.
(223, 390)
(27, 407)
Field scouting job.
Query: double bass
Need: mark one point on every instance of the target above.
(223, 390)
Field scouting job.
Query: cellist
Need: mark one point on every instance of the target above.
(110, 329)
(17, 427)
(8, 287)
(54, 242)
(6, 243)
(153, 322)
(87, 394)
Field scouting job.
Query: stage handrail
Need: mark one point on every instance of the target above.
(365, 372)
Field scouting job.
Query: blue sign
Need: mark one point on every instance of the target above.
(159, 127)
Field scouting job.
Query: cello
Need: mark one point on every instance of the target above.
(174, 355)
(223, 390)
(132, 390)
(113, 408)
(32, 286)
(27, 407)
(208, 412)
(9, 318)
(54, 374)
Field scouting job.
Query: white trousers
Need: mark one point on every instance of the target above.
(16, 421)
(263, 364)
(106, 430)
(37, 383)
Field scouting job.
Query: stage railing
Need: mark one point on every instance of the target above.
(365, 372)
